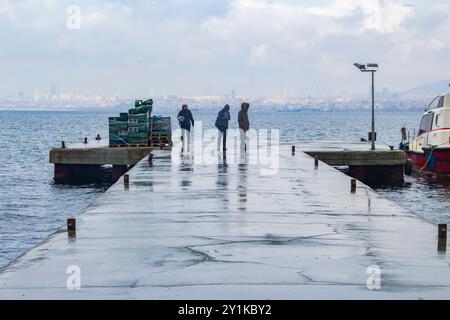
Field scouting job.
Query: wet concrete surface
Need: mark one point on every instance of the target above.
(224, 231)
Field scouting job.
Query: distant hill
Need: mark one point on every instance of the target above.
(431, 89)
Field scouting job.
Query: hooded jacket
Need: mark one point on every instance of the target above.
(187, 119)
(223, 118)
(243, 121)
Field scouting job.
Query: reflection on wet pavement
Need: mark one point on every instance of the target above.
(187, 230)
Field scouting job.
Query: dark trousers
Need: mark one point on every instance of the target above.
(225, 141)
(223, 136)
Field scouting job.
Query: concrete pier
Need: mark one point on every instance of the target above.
(82, 162)
(374, 167)
(224, 231)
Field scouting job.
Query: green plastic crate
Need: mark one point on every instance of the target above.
(118, 131)
(138, 134)
(141, 110)
(161, 125)
(140, 128)
(138, 119)
(134, 138)
(123, 116)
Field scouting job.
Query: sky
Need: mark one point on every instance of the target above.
(200, 47)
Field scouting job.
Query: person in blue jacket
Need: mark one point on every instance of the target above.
(222, 125)
(185, 120)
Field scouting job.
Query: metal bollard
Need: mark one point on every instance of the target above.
(442, 231)
(442, 237)
(316, 162)
(442, 245)
(353, 185)
(150, 158)
(72, 227)
(63, 145)
(293, 150)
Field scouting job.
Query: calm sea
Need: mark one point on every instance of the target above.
(32, 207)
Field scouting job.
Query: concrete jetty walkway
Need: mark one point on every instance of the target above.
(192, 231)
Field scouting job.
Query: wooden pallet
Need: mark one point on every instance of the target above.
(160, 136)
(160, 145)
(160, 141)
(138, 145)
(118, 145)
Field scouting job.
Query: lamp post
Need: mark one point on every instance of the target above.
(370, 67)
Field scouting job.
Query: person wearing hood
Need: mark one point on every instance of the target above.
(185, 120)
(222, 125)
(244, 124)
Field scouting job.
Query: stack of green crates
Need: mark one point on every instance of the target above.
(138, 128)
(132, 127)
(118, 130)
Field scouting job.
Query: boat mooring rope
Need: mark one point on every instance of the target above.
(428, 160)
(431, 153)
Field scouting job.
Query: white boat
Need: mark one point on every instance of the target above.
(430, 148)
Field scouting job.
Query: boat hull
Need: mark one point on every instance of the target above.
(436, 161)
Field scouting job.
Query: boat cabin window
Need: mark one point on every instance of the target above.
(441, 102)
(426, 123)
(435, 103)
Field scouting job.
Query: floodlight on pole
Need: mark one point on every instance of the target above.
(360, 66)
(370, 67)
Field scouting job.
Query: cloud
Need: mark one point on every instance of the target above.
(7, 9)
(435, 44)
(376, 15)
(188, 46)
(258, 54)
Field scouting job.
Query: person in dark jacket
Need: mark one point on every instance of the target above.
(244, 125)
(185, 120)
(222, 125)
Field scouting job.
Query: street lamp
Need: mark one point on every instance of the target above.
(370, 67)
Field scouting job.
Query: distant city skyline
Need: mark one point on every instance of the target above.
(200, 47)
(56, 94)
(385, 100)
(384, 92)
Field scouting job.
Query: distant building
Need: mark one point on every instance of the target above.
(385, 93)
(54, 92)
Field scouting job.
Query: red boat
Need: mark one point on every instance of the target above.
(429, 151)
